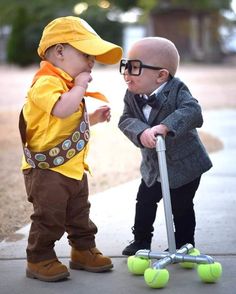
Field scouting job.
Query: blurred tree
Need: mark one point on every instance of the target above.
(46, 8)
(201, 5)
(18, 39)
(97, 18)
(28, 18)
(39, 13)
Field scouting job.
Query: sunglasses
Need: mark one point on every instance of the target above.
(134, 67)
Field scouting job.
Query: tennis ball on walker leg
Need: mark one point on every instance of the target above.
(138, 265)
(209, 273)
(156, 278)
(190, 265)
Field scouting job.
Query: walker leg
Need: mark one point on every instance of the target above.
(161, 148)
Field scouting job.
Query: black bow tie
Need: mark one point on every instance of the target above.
(151, 101)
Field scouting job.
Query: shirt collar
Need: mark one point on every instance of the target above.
(158, 90)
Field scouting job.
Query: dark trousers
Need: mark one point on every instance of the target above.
(60, 205)
(182, 210)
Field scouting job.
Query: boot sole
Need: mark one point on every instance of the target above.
(59, 277)
(100, 269)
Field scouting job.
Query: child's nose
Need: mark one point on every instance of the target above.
(91, 60)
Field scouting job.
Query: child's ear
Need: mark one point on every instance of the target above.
(163, 76)
(59, 51)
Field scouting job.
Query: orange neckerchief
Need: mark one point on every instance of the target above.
(47, 69)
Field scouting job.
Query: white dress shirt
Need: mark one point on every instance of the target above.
(147, 108)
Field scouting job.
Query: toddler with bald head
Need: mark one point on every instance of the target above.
(158, 103)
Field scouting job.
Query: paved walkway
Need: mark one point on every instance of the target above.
(113, 212)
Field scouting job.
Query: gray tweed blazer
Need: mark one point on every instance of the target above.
(186, 156)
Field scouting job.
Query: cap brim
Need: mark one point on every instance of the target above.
(104, 51)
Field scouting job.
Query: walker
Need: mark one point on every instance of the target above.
(155, 273)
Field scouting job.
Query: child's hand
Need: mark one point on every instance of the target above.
(101, 114)
(70, 100)
(160, 130)
(83, 79)
(148, 137)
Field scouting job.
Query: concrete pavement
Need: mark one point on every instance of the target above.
(113, 212)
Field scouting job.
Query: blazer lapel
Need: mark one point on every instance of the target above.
(138, 110)
(161, 98)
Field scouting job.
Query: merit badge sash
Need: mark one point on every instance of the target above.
(60, 153)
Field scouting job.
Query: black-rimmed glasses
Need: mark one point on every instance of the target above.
(134, 67)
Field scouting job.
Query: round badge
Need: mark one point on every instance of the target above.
(70, 153)
(58, 160)
(40, 157)
(54, 151)
(31, 163)
(66, 144)
(27, 152)
(82, 127)
(76, 136)
(86, 135)
(80, 145)
(43, 165)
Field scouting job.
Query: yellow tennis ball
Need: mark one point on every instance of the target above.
(156, 278)
(138, 265)
(187, 264)
(210, 272)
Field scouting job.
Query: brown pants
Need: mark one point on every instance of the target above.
(60, 205)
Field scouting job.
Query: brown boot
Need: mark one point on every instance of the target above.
(90, 260)
(51, 270)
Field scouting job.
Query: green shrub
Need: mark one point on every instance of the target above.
(21, 49)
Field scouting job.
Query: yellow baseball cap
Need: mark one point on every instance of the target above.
(79, 34)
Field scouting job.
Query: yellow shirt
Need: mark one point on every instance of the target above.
(45, 130)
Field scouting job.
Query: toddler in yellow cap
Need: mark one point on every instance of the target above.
(54, 127)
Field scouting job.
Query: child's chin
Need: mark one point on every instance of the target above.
(131, 89)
